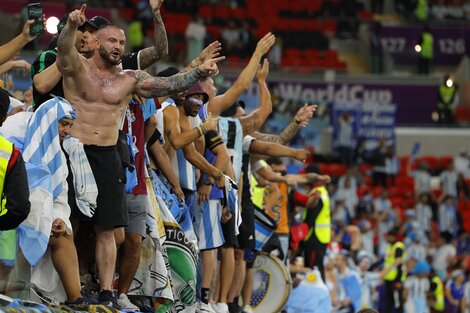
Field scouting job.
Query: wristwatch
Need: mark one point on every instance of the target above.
(207, 182)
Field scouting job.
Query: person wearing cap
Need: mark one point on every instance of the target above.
(47, 80)
(396, 275)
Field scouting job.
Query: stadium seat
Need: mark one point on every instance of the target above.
(206, 12)
(398, 202)
(443, 161)
(404, 181)
(462, 115)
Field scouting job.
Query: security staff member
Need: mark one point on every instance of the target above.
(14, 190)
(395, 275)
(318, 218)
(425, 49)
(436, 295)
(446, 100)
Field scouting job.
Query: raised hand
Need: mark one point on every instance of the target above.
(263, 71)
(25, 31)
(313, 198)
(305, 113)
(77, 17)
(209, 52)
(301, 154)
(155, 4)
(209, 67)
(265, 43)
(211, 122)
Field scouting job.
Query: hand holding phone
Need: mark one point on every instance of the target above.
(35, 13)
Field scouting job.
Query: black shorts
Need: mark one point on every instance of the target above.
(109, 175)
(246, 237)
(228, 229)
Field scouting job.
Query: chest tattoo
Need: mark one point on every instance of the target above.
(105, 82)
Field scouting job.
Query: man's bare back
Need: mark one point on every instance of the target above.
(100, 90)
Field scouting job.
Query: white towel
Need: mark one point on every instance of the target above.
(84, 182)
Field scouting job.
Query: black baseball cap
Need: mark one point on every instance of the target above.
(231, 111)
(95, 22)
(62, 22)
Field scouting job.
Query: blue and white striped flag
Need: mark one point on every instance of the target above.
(44, 166)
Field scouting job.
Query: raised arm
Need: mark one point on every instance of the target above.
(151, 55)
(257, 117)
(68, 58)
(149, 86)
(300, 120)
(222, 102)
(8, 50)
(209, 52)
(277, 150)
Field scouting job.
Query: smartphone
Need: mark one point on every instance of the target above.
(35, 13)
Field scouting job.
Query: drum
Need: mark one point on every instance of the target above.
(271, 284)
(264, 228)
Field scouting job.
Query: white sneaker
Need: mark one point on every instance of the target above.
(125, 303)
(247, 309)
(220, 307)
(204, 308)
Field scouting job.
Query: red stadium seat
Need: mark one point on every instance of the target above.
(405, 181)
(443, 161)
(462, 115)
(206, 11)
(398, 202)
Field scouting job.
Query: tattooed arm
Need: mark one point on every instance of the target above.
(256, 119)
(148, 86)
(68, 58)
(151, 55)
(300, 120)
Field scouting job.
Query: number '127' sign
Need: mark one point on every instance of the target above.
(450, 44)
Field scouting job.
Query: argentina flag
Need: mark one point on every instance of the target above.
(44, 166)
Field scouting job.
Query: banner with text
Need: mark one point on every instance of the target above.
(414, 102)
(450, 44)
(370, 122)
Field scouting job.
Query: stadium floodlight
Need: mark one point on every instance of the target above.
(51, 25)
(418, 48)
(449, 82)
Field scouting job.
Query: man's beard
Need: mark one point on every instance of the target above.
(105, 55)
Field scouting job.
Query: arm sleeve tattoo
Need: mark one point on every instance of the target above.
(149, 86)
(151, 55)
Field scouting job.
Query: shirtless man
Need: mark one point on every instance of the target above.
(100, 92)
